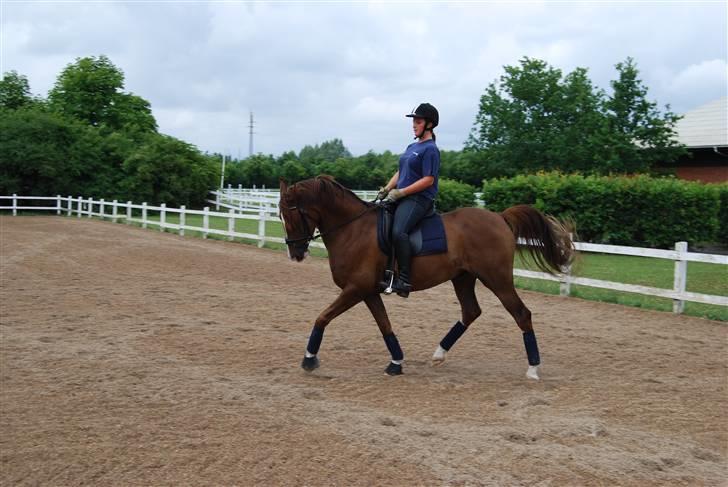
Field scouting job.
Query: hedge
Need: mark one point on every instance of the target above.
(723, 214)
(624, 210)
(454, 194)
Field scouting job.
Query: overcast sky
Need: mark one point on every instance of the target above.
(313, 71)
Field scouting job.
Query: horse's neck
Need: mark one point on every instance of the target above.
(342, 233)
(339, 213)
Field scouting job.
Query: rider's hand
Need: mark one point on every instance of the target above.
(394, 195)
(383, 191)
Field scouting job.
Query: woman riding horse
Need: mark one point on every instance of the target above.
(413, 189)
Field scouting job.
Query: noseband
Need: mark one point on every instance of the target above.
(309, 234)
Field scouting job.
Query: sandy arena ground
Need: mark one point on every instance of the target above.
(131, 357)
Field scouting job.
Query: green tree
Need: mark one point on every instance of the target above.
(515, 120)
(168, 170)
(132, 114)
(91, 90)
(466, 166)
(328, 151)
(293, 171)
(44, 153)
(534, 118)
(14, 91)
(259, 170)
(638, 136)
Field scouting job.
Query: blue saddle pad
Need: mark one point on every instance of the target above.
(427, 238)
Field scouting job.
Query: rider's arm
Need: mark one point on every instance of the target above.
(393, 182)
(419, 185)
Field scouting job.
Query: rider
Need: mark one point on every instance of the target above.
(414, 188)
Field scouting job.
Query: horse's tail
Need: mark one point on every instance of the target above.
(547, 240)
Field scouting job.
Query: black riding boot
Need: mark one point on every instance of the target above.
(403, 251)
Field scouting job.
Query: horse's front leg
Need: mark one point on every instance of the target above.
(376, 306)
(348, 298)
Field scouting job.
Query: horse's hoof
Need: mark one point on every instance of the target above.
(532, 372)
(310, 363)
(438, 358)
(393, 369)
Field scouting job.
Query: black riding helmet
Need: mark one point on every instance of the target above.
(428, 112)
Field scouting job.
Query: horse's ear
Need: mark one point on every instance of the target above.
(283, 185)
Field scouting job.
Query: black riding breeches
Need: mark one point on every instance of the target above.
(408, 214)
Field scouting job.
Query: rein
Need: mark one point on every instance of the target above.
(307, 230)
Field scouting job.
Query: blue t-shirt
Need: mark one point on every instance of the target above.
(420, 159)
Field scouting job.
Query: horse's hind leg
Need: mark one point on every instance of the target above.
(465, 290)
(507, 295)
(376, 306)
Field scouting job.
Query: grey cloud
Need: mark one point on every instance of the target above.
(314, 71)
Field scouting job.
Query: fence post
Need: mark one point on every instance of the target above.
(69, 208)
(162, 216)
(144, 215)
(15, 204)
(565, 283)
(231, 224)
(128, 212)
(261, 228)
(101, 209)
(90, 206)
(58, 204)
(114, 211)
(217, 201)
(205, 221)
(80, 206)
(681, 276)
(182, 210)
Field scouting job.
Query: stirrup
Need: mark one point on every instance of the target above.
(386, 284)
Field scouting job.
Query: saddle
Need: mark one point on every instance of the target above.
(426, 238)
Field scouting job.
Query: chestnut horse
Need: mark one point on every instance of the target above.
(480, 247)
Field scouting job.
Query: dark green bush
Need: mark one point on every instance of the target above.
(453, 194)
(723, 214)
(639, 210)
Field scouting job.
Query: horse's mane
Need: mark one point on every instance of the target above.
(329, 189)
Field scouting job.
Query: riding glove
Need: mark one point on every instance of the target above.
(383, 191)
(394, 195)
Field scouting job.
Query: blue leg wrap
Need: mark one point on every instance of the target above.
(529, 339)
(314, 341)
(393, 346)
(453, 335)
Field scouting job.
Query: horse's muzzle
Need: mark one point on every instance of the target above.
(298, 252)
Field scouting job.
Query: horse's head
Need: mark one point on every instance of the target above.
(299, 218)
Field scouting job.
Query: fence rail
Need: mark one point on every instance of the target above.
(115, 211)
(242, 199)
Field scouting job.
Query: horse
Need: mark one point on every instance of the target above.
(481, 245)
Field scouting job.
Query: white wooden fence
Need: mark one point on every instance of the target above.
(258, 198)
(115, 211)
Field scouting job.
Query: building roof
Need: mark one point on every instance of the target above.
(705, 126)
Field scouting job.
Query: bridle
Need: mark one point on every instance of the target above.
(302, 242)
(296, 242)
